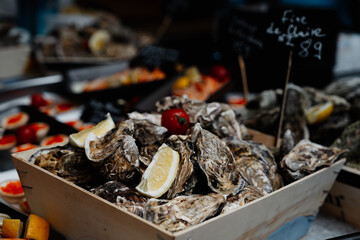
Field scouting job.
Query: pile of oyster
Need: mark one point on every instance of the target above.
(341, 129)
(220, 168)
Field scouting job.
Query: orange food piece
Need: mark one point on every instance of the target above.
(11, 228)
(37, 228)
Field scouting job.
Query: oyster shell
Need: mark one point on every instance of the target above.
(220, 119)
(123, 163)
(294, 115)
(184, 182)
(147, 133)
(122, 196)
(248, 194)
(306, 157)
(99, 148)
(217, 162)
(350, 140)
(147, 153)
(256, 164)
(191, 107)
(66, 161)
(183, 211)
(154, 118)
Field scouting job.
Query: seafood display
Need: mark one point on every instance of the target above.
(101, 37)
(198, 86)
(126, 77)
(214, 168)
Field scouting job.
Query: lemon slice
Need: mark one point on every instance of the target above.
(37, 228)
(78, 139)
(160, 173)
(319, 112)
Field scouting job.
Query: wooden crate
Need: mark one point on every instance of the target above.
(78, 214)
(343, 201)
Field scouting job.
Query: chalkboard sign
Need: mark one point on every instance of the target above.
(155, 55)
(265, 39)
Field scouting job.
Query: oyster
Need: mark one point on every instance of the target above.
(248, 194)
(122, 196)
(326, 132)
(147, 133)
(123, 163)
(306, 157)
(350, 140)
(256, 164)
(99, 148)
(294, 115)
(66, 161)
(184, 181)
(183, 211)
(191, 107)
(219, 118)
(217, 162)
(151, 117)
(147, 153)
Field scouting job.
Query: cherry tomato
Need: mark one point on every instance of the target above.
(219, 72)
(37, 100)
(175, 120)
(25, 134)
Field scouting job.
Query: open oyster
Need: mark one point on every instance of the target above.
(183, 211)
(306, 157)
(122, 196)
(66, 161)
(217, 162)
(99, 148)
(248, 194)
(256, 165)
(184, 181)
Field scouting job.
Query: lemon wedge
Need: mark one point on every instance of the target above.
(160, 173)
(78, 139)
(319, 112)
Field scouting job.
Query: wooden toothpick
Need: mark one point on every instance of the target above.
(283, 104)
(243, 77)
(164, 26)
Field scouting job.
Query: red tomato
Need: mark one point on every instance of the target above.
(175, 120)
(219, 72)
(37, 100)
(25, 134)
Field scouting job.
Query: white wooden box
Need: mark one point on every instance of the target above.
(343, 201)
(78, 214)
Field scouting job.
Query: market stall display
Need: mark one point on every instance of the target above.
(212, 161)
